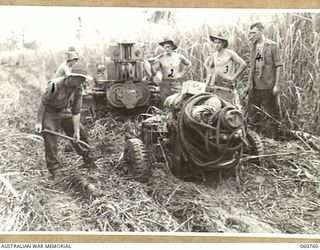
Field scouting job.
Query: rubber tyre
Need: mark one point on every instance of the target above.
(255, 144)
(135, 154)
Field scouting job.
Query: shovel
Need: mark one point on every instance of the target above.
(66, 137)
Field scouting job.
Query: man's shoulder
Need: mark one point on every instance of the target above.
(178, 54)
(230, 52)
(54, 86)
(269, 42)
(57, 81)
(164, 57)
(181, 57)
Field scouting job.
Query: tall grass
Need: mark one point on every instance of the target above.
(297, 35)
(300, 45)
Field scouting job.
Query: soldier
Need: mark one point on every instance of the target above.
(54, 113)
(64, 68)
(173, 67)
(222, 68)
(264, 77)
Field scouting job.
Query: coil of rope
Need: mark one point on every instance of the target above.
(206, 144)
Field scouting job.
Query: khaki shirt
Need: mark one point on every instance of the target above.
(266, 77)
(59, 96)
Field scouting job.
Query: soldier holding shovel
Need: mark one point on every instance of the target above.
(54, 114)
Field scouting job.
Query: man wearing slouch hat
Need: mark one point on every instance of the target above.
(172, 66)
(60, 108)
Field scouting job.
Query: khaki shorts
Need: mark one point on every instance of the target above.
(169, 87)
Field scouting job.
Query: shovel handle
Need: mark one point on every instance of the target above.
(65, 137)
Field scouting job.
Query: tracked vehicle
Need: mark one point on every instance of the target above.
(121, 83)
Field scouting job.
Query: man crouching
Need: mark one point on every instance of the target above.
(54, 113)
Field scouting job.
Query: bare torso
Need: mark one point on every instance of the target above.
(224, 65)
(171, 66)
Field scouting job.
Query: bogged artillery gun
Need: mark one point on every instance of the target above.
(198, 132)
(121, 82)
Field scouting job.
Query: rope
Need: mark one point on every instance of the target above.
(207, 144)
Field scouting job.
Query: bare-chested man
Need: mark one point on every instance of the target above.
(222, 65)
(173, 67)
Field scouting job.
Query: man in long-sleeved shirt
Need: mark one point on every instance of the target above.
(264, 78)
(61, 94)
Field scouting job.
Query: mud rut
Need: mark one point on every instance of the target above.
(164, 204)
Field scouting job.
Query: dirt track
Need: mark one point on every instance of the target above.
(280, 195)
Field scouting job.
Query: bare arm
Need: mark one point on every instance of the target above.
(76, 112)
(242, 64)
(38, 125)
(153, 65)
(187, 64)
(76, 126)
(209, 64)
(45, 98)
(156, 59)
(276, 88)
(277, 64)
(40, 113)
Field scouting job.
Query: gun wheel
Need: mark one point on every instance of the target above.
(112, 95)
(255, 144)
(144, 94)
(135, 154)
